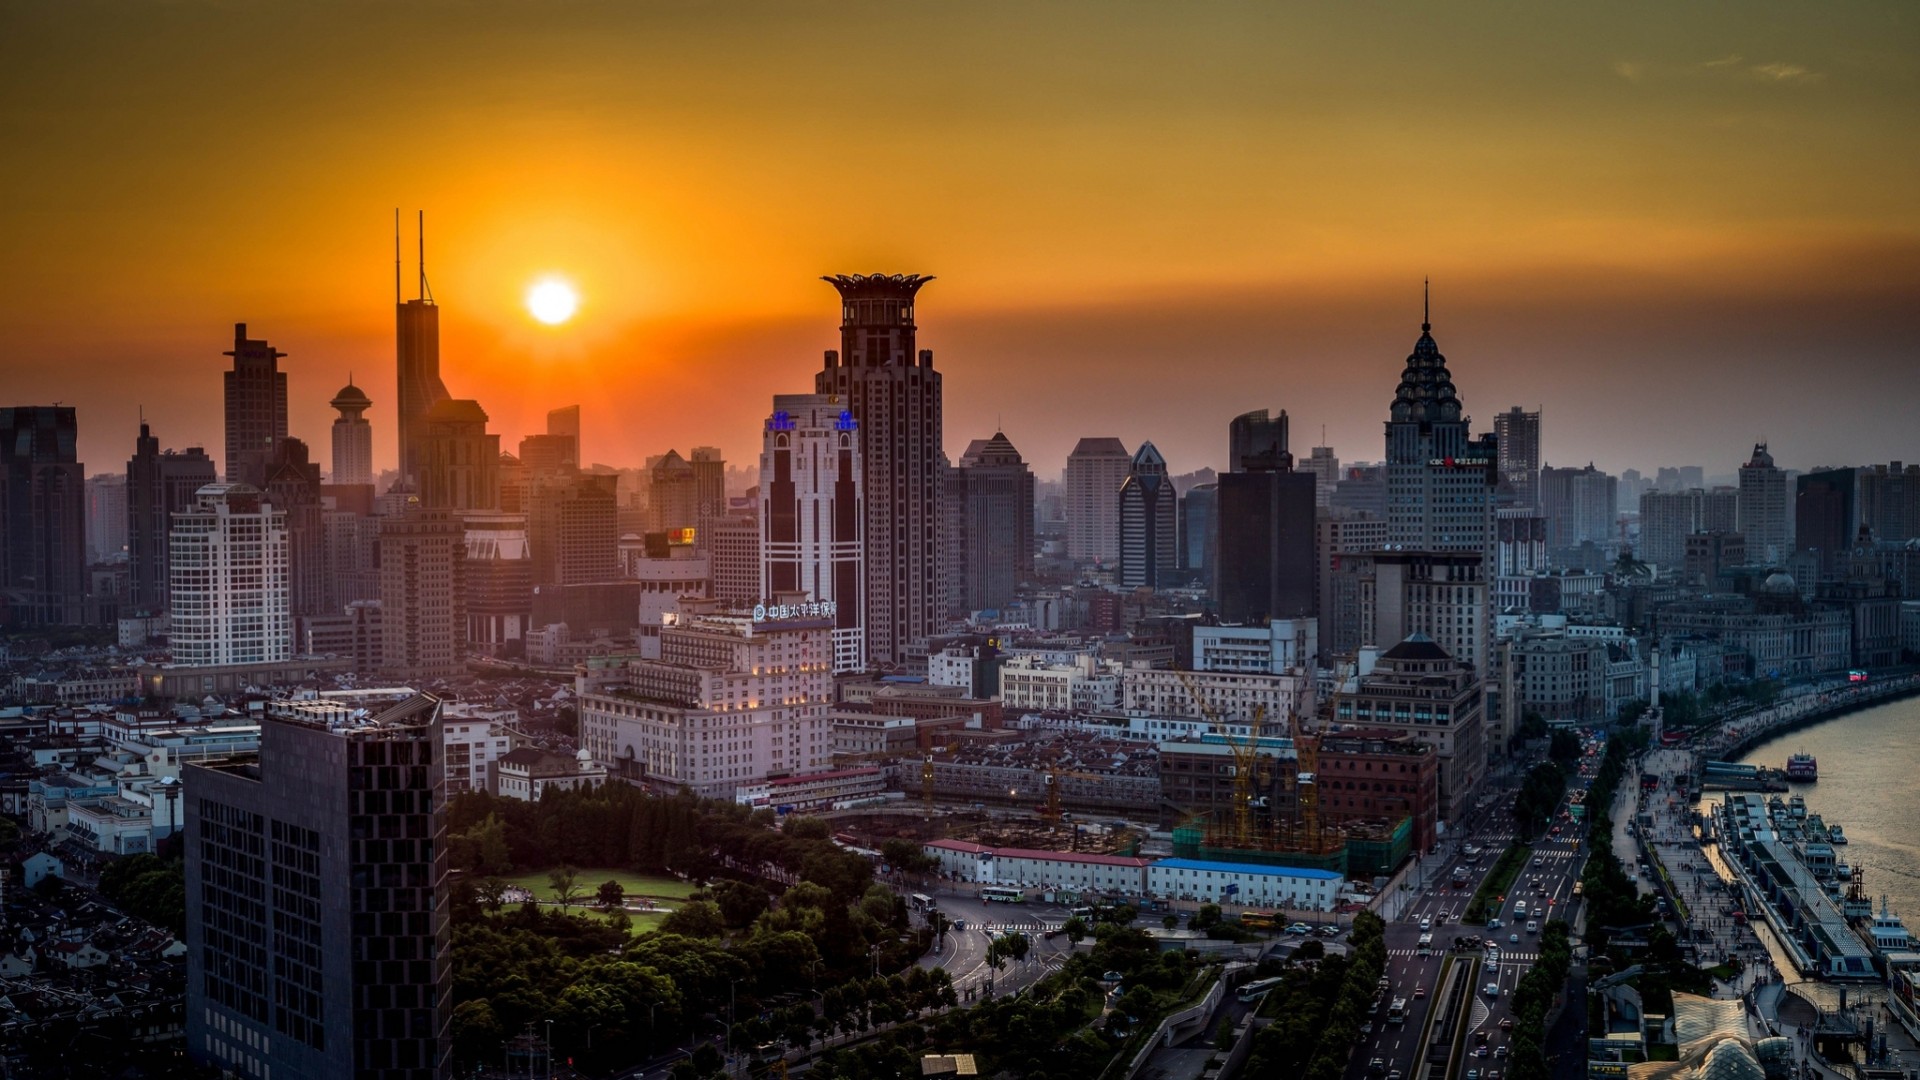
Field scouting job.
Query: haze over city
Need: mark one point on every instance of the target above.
(1676, 231)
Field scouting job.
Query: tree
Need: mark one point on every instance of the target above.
(1311, 949)
(1564, 747)
(739, 902)
(695, 919)
(564, 887)
(1207, 917)
(1076, 929)
(491, 892)
(1170, 920)
(611, 894)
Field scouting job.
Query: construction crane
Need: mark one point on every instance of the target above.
(1245, 762)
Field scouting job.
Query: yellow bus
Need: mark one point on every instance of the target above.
(1259, 920)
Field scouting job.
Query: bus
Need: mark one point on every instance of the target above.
(1857, 675)
(1397, 1012)
(1258, 988)
(1426, 944)
(1260, 920)
(922, 902)
(1003, 895)
(1459, 877)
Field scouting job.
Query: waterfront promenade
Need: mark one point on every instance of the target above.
(1802, 704)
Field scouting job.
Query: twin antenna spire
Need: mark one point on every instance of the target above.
(426, 294)
(1426, 303)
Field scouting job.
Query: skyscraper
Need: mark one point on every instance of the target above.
(417, 361)
(572, 528)
(1439, 479)
(1325, 468)
(227, 557)
(1149, 521)
(1518, 432)
(1578, 504)
(292, 485)
(1199, 531)
(673, 493)
(43, 517)
(893, 393)
(564, 423)
(423, 595)
(317, 911)
(709, 485)
(1826, 516)
(352, 438)
(1667, 518)
(1266, 538)
(1095, 470)
(106, 517)
(811, 529)
(458, 462)
(995, 490)
(158, 485)
(1765, 511)
(256, 406)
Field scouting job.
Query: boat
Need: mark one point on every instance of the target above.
(1835, 835)
(1843, 872)
(1903, 990)
(1803, 768)
(1797, 808)
(1887, 934)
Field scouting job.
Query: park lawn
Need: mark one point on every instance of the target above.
(642, 921)
(587, 881)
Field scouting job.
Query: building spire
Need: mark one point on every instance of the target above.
(1426, 305)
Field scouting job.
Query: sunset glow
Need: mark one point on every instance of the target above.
(552, 301)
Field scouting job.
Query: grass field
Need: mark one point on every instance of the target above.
(588, 880)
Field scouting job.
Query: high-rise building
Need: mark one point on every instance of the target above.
(1149, 522)
(1709, 554)
(893, 392)
(571, 528)
(994, 488)
(1765, 511)
(291, 483)
(106, 517)
(733, 556)
(1095, 470)
(256, 406)
(1890, 501)
(1439, 479)
(158, 485)
(1518, 433)
(709, 484)
(458, 462)
(1668, 517)
(43, 517)
(1579, 505)
(1343, 562)
(227, 560)
(417, 362)
(352, 437)
(317, 910)
(1266, 533)
(499, 582)
(423, 595)
(1826, 517)
(673, 494)
(1199, 534)
(1417, 686)
(811, 530)
(1442, 595)
(1325, 468)
(564, 424)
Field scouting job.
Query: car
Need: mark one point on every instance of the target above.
(1366, 1027)
(1426, 923)
(1500, 1052)
(1112, 976)
(1420, 991)
(1513, 939)
(1473, 1074)
(1533, 926)
(1393, 1074)
(1329, 931)
(1493, 924)
(1538, 861)
(1377, 1067)
(1506, 1023)
(1492, 990)
(1480, 1051)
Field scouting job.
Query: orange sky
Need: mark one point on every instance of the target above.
(1677, 230)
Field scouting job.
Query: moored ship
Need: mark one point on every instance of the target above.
(1802, 768)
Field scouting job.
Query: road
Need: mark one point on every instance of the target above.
(1544, 887)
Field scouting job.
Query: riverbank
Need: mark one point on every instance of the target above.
(1742, 735)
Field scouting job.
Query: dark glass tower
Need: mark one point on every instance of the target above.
(43, 517)
(894, 395)
(256, 407)
(1264, 531)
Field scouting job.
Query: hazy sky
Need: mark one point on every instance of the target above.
(1677, 228)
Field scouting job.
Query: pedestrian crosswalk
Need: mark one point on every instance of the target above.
(1505, 956)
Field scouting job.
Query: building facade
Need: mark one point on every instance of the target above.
(1518, 433)
(158, 484)
(423, 595)
(1439, 480)
(812, 520)
(1095, 470)
(228, 559)
(1765, 509)
(256, 406)
(43, 518)
(352, 437)
(995, 491)
(1149, 522)
(1417, 687)
(1667, 518)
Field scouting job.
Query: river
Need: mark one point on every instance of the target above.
(1870, 785)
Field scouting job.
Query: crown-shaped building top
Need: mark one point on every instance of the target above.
(877, 286)
(1426, 390)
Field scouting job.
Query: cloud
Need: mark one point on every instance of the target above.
(1781, 72)
(1630, 70)
(1725, 61)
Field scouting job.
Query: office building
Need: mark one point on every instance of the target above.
(1095, 470)
(291, 483)
(1326, 473)
(1709, 554)
(106, 517)
(1362, 489)
(1667, 518)
(1417, 687)
(811, 529)
(563, 426)
(256, 406)
(1518, 433)
(458, 462)
(417, 362)
(572, 528)
(1826, 517)
(352, 437)
(733, 555)
(423, 595)
(1889, 499)
(893, 393)
(1765, 515)
(735, 699)
(1439, 480)
(317, 911)
(1344, 541)
(1199, 533)
(227, 561)
(709, 484)
(158, 485)
(1439, 594)
(43, 518)
(499, 582)
(1579, 505)
(673, 493)
(1264, 546)
(1149, 518)
(994, 489)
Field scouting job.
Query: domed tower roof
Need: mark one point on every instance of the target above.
(1426, 390)
(351, 400)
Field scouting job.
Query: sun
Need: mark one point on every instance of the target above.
(552, 301)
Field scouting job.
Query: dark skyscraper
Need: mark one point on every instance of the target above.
(43, 518)
(1264, 532)
(1826, 517)
(1149, 522)
(995, 489)
(317, 918)
(417, 359)
(1519, 434)
(158, 484)
(1439, 479)
(352, 438)
(893, 393)
(292, 486)
(459, 463)
(1199, 528)
(256, 407)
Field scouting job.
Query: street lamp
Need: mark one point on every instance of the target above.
(549, 1050)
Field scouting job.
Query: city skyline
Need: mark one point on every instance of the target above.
(1706, 209)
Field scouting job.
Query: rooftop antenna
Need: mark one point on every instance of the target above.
(424, 294)
(1426, 304)
(396, 255)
